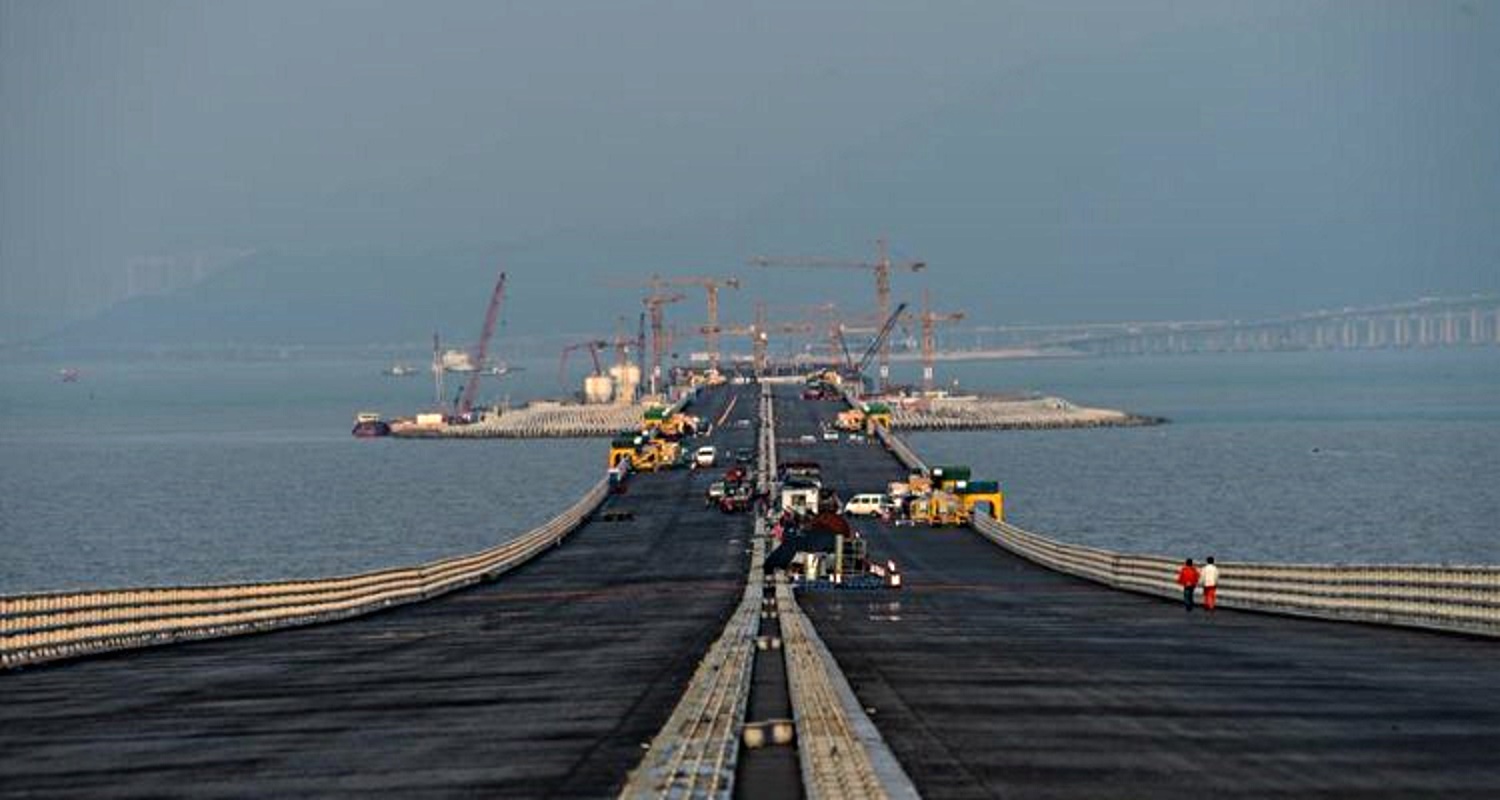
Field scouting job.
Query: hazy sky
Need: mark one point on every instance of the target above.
(1055, 160)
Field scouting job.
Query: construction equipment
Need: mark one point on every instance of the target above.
(594, 347)
(981, 496)
(947, 496)
(881, 266)
(759, 333)
(947, 477)
(655, 303)
(491, 316)
(644, 452)
(711, 288)
(864, 419)
(938, 508)
(879, 342)
(929, 340)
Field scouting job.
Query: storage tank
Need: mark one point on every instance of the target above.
(598, 389)
(626, 378)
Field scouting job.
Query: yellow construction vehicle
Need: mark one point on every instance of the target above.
(939, 508)
(653, 417)
(864, 419)
(625, 447)
(657, 454)
(982, 495)
(948, 477)
(677, 425)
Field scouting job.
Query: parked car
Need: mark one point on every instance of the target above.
(705, 456)
(744, 455)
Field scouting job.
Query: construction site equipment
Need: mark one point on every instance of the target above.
(947, 496)
(881, 266)
(947, 477)
(759, 333)
(864, 419)
(491, 316)
(982, 495)
(624, 447)
(594, 346)
(938, 508)
(644, 453)
(655, 303)
(857, 368)
(930, 319)
(711, 330)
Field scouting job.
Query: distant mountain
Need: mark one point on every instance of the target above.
(1197, 177)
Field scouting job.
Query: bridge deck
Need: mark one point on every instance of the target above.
(991, 676)
(545, 682)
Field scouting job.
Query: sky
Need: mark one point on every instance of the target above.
(358, 170)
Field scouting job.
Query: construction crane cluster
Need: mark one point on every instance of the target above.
(881, 266)
(663, 291)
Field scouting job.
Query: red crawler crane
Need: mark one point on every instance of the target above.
(593, 345)
(466, 400)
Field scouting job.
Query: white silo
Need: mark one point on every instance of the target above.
(598, 389)
(626, 378)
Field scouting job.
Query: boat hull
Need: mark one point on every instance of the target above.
(370, 430)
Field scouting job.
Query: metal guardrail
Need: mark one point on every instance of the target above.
(842, 753)
(695, 752)
(1463, 599)
(907, 456)
(38, 628)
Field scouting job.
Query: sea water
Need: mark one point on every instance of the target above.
(1324, 457)
(165, 471)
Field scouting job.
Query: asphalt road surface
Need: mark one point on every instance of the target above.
(993, 677)
(544, 683)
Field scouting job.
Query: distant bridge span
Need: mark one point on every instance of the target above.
(1425, 323)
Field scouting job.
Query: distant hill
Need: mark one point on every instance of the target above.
(1194, 178)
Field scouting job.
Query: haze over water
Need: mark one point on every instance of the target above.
(160, 473)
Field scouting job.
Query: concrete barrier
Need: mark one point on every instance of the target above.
(696, 751)
(1461, 599)
(38, 628)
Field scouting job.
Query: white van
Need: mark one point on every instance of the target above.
(705, 456)
(866, 505)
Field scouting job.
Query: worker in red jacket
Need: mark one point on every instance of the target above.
(1187, 578)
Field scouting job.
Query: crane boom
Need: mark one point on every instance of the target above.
(593, 345)
(885, 332)
(491, 316)
(930, 319)
(881, 266)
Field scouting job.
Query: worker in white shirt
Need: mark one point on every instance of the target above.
(1209, 576)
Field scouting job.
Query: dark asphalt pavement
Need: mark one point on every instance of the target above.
(543, 683)
(992, 677)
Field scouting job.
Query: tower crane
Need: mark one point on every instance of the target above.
(759, 333)
(881, 266)
(594, 347)
(930, 319)
(711, 288)
(491, 315)
(655, 303)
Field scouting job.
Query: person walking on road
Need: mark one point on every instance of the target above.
(1210, 578)
(1187, 578)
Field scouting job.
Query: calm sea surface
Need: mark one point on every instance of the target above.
(1358, 457)
(153, 472)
